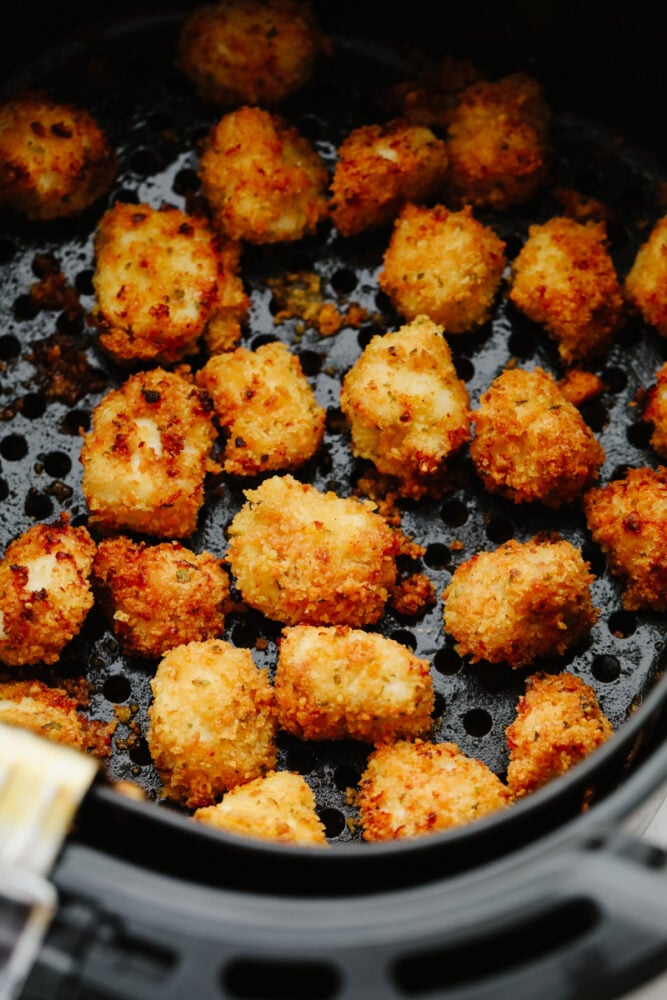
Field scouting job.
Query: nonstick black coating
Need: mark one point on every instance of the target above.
(125, 76)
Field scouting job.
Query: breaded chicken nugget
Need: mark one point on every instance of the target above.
(336, 683)
(519, 602)
(558, 723)
(407, 408)
(305, 557)
(147, 454)
(564, 279)
(411, 789)
(654, 411)
(628, 520)
(266, 407)
(498, 142)
(55, 160)
(52, 713)
(530, 443)
(280, 806)
(211, 722)
(430, 98)
(250, 51)
(161, 280)
(444, 265)
(159, 596)
(381, 167)
(45, 591)
(264, 182)
(645, 284)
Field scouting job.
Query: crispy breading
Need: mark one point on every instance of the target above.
(442, 264)
(530, 443)
(45, 591)
(520, 601)
(579, 386)
(159, 596)
(411, 789)
(337, 682)
(250, 51)
(645, 284)
(302, 556)
(565, 279)
(498, 143)
(266, 407)
(211, 721)
(627, 518)
(381, 167)
(52, 713)
(263, 181)
(55, 160)
(407, 409)
(161, 280)
(279, 806)
(558, 723)
(147, 454)
(654, 411)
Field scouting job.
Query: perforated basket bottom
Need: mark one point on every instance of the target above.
(127, 80)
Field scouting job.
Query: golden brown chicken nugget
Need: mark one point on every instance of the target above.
(52, 713)
(645, 285)
(654, 411)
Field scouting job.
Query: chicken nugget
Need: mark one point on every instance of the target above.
(45, 591)
(498, 143)
(645, 284)
(411, 789)
(211, 721)
(264, 182)
(52, 713)
(55, 160)
(250, 51)
(530, 443)
(280, 806)
(564, 279)
(519, 602)
(335, 683)
(558, 723)
(301, 556)
(407, 409)
(444, 265)
(430, 97)
(159, 596)
(654, 411)
(381, 167)
(627, 518)
(146, 456)
(162, 279)
(266, 407)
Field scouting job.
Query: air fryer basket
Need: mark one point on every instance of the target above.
(123, 72)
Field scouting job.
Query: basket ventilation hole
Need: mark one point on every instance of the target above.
(300, 759)
(257, 979)
(10, 347)
(14, 447)
(344, 280)
(57, 464)
(622, 624)
(521, 345)
(437, 556)
(33, 405)
(606, 668)
(333, 821)
(74, 422)
(4, 489)
(499, 530)
(477, 722)
(117, 689)
(186, 182)
(37, 505)
(454, 513)
(7, 251)
(639, 435)
(405, 637)
(447, 661)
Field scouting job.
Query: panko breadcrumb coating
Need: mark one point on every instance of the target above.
(444, 265)
(564, 279)
(263, 181)
(407, 408)
(55, 160)
(146, 456)
(381, 167)
(336, 683)
(530, 443)
(301, 556)
(558, 723)
(654, 411)
(45, 591)
(519, 602)
(161, 280)
(627, 518)
(250, 51)
(159, 596)
(645, 284)
(266, 407)
(280, 806)
(411, 789)
(54, 714)
(211, 721)
(498, 143)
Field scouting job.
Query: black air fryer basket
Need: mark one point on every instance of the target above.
(550, 896)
